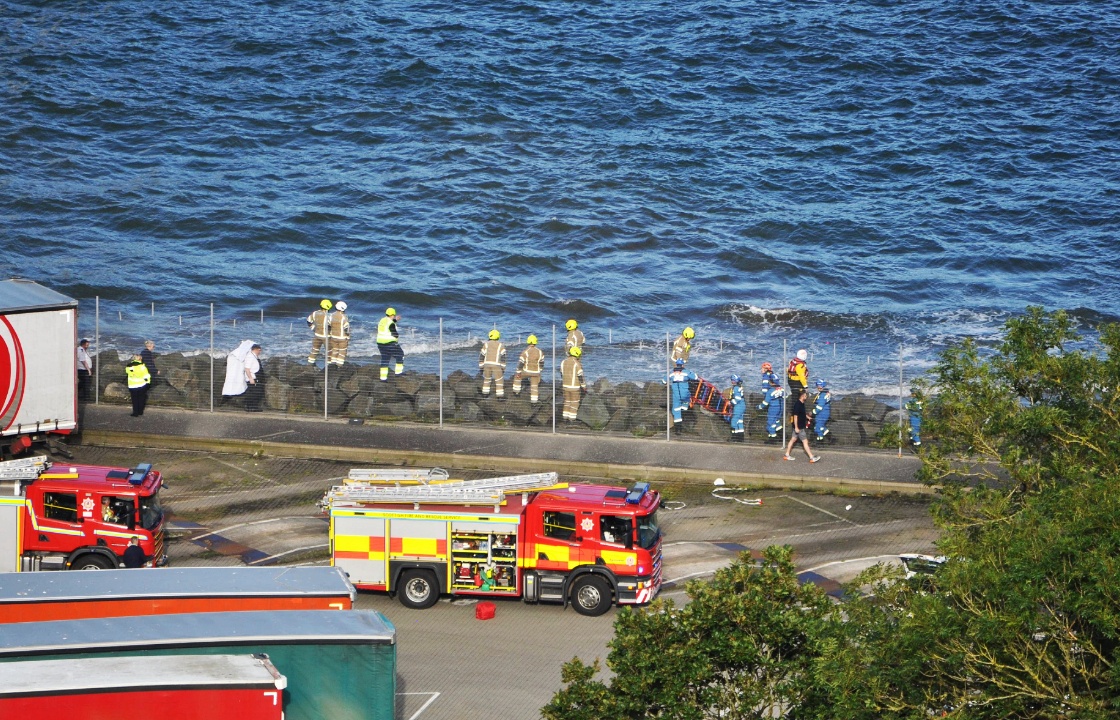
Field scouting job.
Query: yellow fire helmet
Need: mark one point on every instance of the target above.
(575, 352)
(391, 312)
(494, 335)
(532, 339)
(571, 325)
(689, 333)
(325, 304)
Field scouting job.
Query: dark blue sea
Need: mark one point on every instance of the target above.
(869, 180)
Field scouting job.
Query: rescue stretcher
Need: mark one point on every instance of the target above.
(708, 396)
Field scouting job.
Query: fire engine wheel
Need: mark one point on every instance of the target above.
(591, 595)
(418, 589)
(92, 562)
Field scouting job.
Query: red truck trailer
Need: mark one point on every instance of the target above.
(39, 597)
(38, 365)
(524, 536)
(77, 517)
(205, 687)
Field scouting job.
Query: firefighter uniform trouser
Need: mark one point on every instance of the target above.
(316, 345)
(493, 372)
(571, 403)
(534, 382)
(391, 351)
(336, 350)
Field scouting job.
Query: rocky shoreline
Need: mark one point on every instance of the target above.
(354, 391)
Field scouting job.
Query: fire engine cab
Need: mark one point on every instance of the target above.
(527, 536)
(77, 517)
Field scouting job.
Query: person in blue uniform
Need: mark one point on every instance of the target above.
(738, 408)
(681, 394)
(914, 407)
(822, 408)
(771, 400)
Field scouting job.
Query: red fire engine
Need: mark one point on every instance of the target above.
(527, 536)
(77, 517)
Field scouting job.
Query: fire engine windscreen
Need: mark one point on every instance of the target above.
(151, 513)
(648, 531)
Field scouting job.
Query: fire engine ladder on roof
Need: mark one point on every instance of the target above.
(24, 468)
(411, 476)
(491, 491)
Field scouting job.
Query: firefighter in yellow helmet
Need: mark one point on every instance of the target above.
(492, 363)
(387, 344)
(318, 321)
(339, 330)
(683, 345)
(529, 364)
(571, 379)
(575, 336)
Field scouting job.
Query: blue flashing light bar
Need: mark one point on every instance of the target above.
(137, 474)
(637, 493)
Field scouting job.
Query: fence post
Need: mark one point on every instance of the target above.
(668, 391)
(441, 372)
(553, 378)
(96, 349)
(211, 357)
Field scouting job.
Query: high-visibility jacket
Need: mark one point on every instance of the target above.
(798, 372)
(914, 407)
(681, 348)
(387, 330)
(571, 374)
(531, 361)
(319, 321)
(138, 375)
(339, 325)
(493, 353)
(575, 339)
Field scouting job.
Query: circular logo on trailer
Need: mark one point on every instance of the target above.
(13, 374)
(587, 524)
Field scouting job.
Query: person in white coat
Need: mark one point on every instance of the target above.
(236, 381)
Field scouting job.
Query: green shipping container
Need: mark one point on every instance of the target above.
(340, 665)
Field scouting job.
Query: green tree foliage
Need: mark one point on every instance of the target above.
(1023, 620)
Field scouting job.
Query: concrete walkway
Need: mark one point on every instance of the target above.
(572, 454)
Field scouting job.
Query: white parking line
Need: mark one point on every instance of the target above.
(255, 522)
(243, 471)
(289, 552)
(841, 562)
(423, 707)
(826, 512)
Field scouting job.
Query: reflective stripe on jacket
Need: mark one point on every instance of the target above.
(387, 330)
(531, 361)
(339, 325)
(318, 321)
(493, 353)
(575, 339)
(681, 348)
(571, 374)
(797, 371)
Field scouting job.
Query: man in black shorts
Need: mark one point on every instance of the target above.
(800, 428)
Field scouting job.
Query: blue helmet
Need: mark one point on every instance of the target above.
(735, 379)
(680, 362)
(821, 383)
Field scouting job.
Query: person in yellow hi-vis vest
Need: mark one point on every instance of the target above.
(139, 380)
(339, 329)
(318, 321)
(492, 363)
(571, 379)
(530, 364)
(683, 345)
(387, 344)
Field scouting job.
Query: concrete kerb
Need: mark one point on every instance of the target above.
(566, 468)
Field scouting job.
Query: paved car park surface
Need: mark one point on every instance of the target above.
(230, 509)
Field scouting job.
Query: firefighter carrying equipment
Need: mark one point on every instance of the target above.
(571, 325)
(494, 335)
(325, 304)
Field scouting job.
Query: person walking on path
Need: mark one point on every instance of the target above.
(680, 394)
(914, 407)
(683, 346)
(254, 391)
(771, 400)
(139, 381)
(339, 331)
(800, 429)
(492, 363)
(575, 336)
(148, 355)
(822, 409)
(798, 374)
(738, 408)
(236, 382)
(571, 379)
(85, 369)
(530, 364)
(387, 344)
(318, 321)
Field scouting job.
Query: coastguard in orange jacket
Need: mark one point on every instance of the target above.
(575, 335)
(683, 346)
(529, 364)
(798, 373)
(492, 363)
(571, 378)
(318, 321)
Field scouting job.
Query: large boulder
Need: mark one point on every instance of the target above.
(623, 395)
(847, 432)
(645, 421)
(468, 412)
(164, 394)
(428, 403)
(620, 420)
(709, 427)
(115, 391)
(593, 412)
(276, 395)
